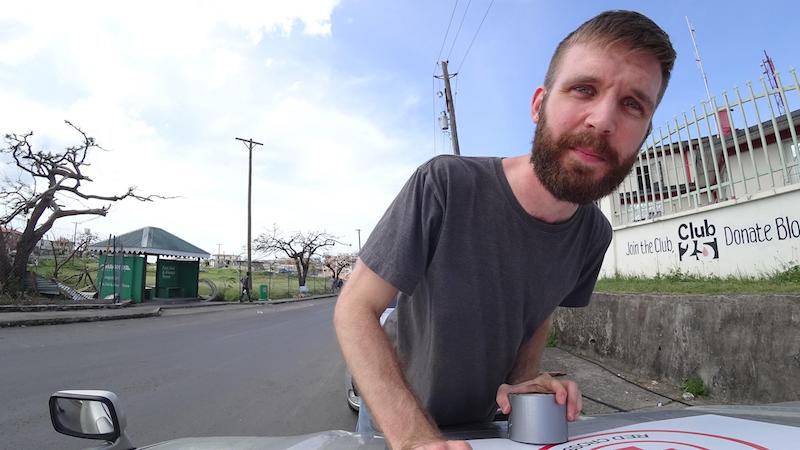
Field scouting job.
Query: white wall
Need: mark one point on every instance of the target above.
(754, 235)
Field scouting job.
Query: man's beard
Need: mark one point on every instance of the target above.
(572, 181)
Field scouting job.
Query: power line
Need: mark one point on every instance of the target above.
(473, 37)
(464, 16)
(444, 40)
(433, 75)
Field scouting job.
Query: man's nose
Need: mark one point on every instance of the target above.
(602, 117)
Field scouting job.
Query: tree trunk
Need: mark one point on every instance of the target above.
(304, 274)
(24, 249)
(301, 280)
(5, 263)
(27, 242)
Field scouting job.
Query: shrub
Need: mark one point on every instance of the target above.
(695, 386)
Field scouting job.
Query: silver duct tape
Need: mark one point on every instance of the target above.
(537, 419)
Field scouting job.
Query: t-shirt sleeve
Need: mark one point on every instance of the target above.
(401, 246)
(601, 239)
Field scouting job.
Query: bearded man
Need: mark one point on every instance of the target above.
(482, 250)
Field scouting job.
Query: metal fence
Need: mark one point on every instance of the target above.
(725, 149)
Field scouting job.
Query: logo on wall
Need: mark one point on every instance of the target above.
(698, 241)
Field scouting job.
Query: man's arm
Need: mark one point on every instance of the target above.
(374, 364)
(525, 376)
(529, 356)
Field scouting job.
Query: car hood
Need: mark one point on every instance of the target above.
(492, 436)
(333, 440)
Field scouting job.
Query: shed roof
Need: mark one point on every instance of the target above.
(151, 241)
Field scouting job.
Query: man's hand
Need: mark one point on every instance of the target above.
(566, 391)
(441, 445)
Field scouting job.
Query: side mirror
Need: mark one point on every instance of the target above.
(90, 415)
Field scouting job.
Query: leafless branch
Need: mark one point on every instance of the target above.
(47, 190)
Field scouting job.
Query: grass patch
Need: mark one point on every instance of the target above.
(552, 340)
(677, 282)
(281, 285)
(70, 273)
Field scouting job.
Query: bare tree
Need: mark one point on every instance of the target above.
(298, 246)
(337, 263)
(81, 243)
(46, 184)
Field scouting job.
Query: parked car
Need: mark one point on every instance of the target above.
(350, 388)
(99, 415)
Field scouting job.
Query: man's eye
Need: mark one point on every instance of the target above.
(633, 104)
(586, 90)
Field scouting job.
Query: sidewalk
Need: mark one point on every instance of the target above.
(37, 315)
(608, 390)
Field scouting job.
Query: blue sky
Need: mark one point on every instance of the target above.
(340, 92)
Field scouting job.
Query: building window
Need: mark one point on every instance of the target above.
(643, 178)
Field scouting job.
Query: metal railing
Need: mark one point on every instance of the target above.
(723, 150)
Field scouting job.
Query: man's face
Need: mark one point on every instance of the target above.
(593, 120)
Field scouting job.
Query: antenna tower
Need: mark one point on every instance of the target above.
(769, 71)
(698, 60)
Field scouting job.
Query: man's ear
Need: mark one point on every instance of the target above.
(536, 103)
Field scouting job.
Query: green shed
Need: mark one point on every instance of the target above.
(123, 265)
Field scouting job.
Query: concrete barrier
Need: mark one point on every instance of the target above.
(746, 348)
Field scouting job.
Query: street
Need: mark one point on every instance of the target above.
(272, 370)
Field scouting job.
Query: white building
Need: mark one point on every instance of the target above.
(714, 192)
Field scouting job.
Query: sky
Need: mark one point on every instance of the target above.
(341, 93)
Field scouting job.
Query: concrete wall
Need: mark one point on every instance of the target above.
(745, 347)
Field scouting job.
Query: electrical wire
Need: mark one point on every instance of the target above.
(464, 16)
(474, 36)
(446, 33)
(435, 66)
(625, 379)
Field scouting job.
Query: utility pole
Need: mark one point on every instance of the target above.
(75, 236)
(250, 144)
(358, 230)
(451, 108)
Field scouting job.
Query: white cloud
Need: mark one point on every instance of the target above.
(167, 86)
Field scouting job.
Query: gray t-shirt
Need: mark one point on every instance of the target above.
(477, 276)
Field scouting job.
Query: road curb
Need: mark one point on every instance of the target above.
(65, 307)
(76, 319)
(108, 312)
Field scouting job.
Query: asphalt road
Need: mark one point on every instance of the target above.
(262, 371)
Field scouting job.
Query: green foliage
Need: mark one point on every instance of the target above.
(791, 275)
(678, 282)
(695, 386)
(552, 340)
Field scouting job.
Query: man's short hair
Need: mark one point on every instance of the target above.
(620, 27)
